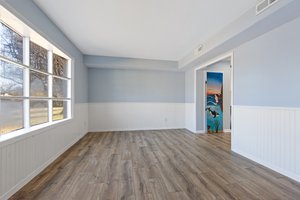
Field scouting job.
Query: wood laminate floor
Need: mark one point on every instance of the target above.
(166, 165)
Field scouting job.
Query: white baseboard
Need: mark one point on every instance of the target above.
(200, 132)
(191, 130)
(203, 131)
(26, 180)
(144, 129)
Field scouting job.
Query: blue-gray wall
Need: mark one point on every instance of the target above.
(243, 29)
(30, 14)
(189, 86)
(266, 69)
(117, 85)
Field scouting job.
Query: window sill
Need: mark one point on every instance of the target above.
(22, 134)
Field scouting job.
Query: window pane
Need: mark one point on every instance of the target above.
(11, 79)
(11, 44)
(38, 57)
(60, 88)
(38, 112)
(60, 110)
(38, 84)
(60, 66)
(11, 115)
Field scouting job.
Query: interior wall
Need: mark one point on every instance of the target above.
(190, 106)
(135, 99)
(200, 101)
(266, 112)
(114, 85)
(222, 66)
(23, 157)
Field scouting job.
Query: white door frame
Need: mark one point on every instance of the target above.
(210, 62)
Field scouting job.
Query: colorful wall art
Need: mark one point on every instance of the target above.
(214, 102)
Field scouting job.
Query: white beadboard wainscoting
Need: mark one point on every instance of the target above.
(24, 157)
(135, 116)
(269, 136)
(190, 117)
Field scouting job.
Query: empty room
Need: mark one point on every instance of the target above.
(149, 100)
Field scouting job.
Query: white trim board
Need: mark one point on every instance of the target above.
(204, 132)
(145, 129)
(200, 132)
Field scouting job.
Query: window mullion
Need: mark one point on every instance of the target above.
(50, 85)
(26, 86)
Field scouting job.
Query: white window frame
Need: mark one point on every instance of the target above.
(28, 35)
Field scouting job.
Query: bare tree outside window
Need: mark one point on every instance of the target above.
(38, 57)
(38, 84)
(11, 47)
(11, 44)
(60, 66)
(11, 80)
(60, 88)
(11, 76)
(39, 61)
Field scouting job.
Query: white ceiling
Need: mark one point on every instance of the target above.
(151, 29)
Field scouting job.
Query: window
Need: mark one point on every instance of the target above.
(35, 81)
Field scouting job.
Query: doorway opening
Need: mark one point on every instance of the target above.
(214, 95)
(214, 99)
